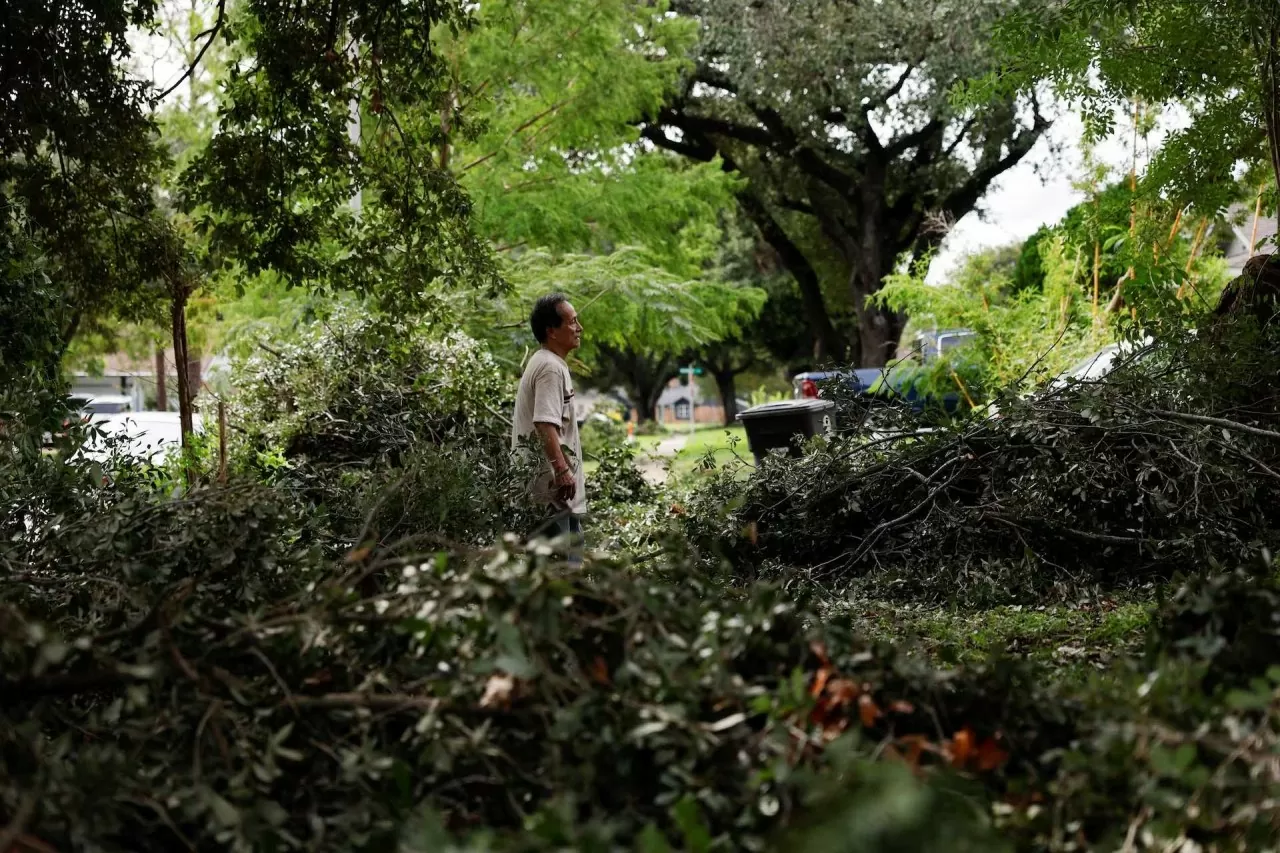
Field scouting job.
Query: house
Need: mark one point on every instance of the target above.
(681, 404)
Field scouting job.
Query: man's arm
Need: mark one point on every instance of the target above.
(566, 485)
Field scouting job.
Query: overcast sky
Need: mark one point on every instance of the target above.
(1039, 190)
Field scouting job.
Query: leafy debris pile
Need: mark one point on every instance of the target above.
(1169, 462)
(191, 673)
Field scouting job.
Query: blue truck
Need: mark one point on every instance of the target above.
(889, 385)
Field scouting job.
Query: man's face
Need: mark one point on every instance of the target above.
(568, 335)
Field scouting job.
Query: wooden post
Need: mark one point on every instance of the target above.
(162, 392)
(222, 442)
(1257, 214)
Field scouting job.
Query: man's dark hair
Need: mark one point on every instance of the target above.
(546, 315)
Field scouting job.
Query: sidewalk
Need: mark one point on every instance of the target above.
(653, 465)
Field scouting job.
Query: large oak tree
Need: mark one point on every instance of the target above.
(839, 115)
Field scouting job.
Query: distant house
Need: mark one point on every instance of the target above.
(1237, 248)
(678, 404)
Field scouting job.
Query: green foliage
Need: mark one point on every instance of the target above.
(274, 188)
(1227, 621)
(837, 114)
(77, 157)
(1103, 55)
(623, 300)
(638, 318)
(554, 91)
(387, 428)
(200, 655)
(615, 479)
(1024, 336)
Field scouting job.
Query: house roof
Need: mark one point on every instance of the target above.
(676, 392)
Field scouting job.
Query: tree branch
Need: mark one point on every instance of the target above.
(884, 97)
(716, 127)
(704, 152)
(963, 199)
(213, 34)
(801, 270)
(1218, 422)
(916, 137)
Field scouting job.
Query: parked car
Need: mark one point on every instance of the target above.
(105, 404)
(1102, 362)
(933, 344)
(858, 381)
(878, 386)
(892, 385)
(149, 436)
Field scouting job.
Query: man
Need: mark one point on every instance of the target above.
(544, 410)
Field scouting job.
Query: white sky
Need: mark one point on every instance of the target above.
(1038, 191)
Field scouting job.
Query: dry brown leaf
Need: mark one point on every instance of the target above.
(820, 679)
(990, 755)
(842, 692)
(599, 671)
(868, 710)
(961, 747)
(359, 554)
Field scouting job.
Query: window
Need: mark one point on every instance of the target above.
(682, 410)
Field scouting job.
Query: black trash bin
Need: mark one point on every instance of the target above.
(777, 424)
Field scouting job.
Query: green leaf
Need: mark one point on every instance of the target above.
(688, 817)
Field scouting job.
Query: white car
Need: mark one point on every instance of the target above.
(1100, 363)
(150, 436)
(100, 405)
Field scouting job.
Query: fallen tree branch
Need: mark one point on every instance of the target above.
(372, 701)
(1218, 422)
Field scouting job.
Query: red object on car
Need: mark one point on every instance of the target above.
(808, 388)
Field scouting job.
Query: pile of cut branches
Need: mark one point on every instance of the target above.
(190, 674)
(1172, 460)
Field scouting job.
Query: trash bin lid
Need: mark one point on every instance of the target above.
(782, 407)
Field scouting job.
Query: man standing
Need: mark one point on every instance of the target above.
(544, 410)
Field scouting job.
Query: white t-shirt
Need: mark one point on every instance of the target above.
(545, 396)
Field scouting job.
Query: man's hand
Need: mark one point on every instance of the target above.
(566, 485)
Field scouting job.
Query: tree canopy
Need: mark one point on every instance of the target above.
(77, 154)
(333, 107)
(851, 139)
(1219, 62)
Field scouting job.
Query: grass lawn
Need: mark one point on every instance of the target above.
(1076, 639)
(725, 445)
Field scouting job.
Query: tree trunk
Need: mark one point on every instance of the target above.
(879, 328)
(727, 386)
(827, 345)
(645, 391)
(1269, 55)
(195, 374)
(878, 333)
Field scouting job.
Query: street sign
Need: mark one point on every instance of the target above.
(696, 371)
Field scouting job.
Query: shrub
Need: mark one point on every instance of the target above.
(387, 430)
